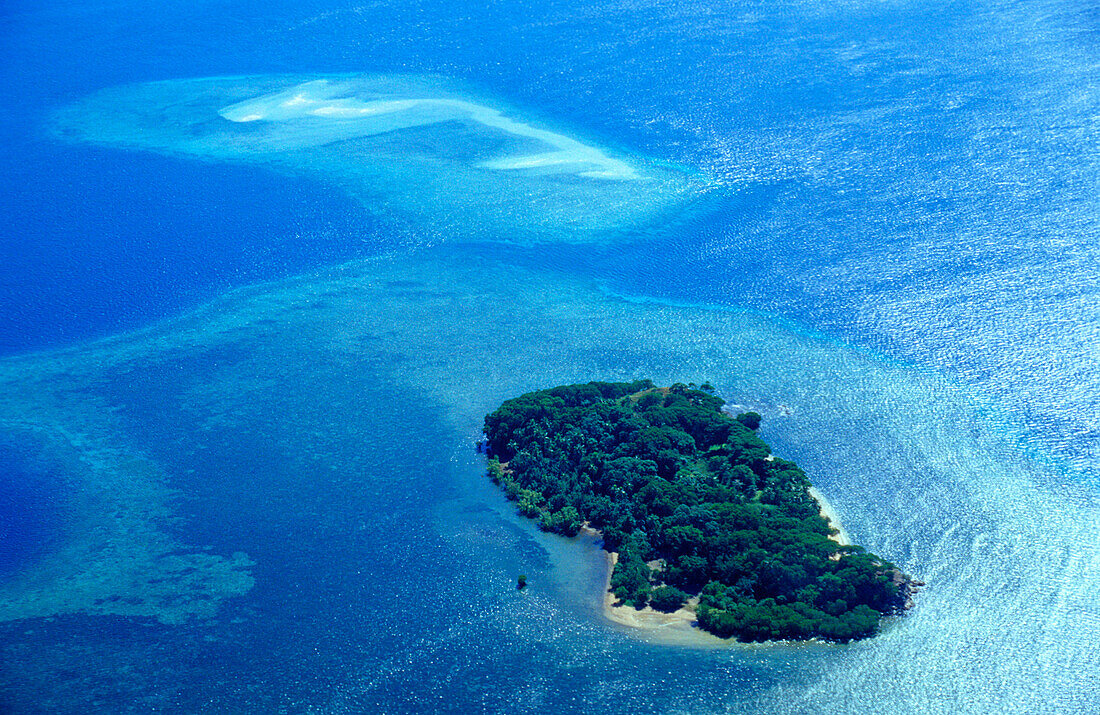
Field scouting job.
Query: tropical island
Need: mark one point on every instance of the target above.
(696, 510)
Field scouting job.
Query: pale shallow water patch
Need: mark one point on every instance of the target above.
(915, 472)
(411, 148)
(339, 102)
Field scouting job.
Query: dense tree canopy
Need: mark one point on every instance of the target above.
(694, 503)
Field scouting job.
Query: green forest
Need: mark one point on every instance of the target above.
(695, 504)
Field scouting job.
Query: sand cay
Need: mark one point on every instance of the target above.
(366, 114)
(422, 153)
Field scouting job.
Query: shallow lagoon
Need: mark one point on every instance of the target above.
(320, 432)
(282, 509)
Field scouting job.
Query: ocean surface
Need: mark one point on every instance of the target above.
(264, 267)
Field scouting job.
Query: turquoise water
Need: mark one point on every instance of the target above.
(267, 267)
(415, 150)
(324, 427)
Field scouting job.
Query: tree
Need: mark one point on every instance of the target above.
(667, 599)
(749, 419)
(667, 475)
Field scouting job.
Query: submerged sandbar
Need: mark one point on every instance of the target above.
(429, 153)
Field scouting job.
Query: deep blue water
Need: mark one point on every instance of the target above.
(29, 496)
(915, 179)
(910, 185)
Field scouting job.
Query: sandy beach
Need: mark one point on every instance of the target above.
(826, 510)
(678, 627)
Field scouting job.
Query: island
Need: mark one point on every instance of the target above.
(695, 509)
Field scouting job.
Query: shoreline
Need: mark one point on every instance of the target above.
(825, 508)
(676, 628)
(679, 627)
